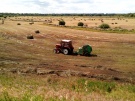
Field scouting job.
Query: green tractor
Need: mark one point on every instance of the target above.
(85, 50)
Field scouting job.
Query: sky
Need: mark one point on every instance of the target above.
(67, 6)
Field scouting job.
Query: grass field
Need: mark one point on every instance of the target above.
(91, 22)
(29, 70)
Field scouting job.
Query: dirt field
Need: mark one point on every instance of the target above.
(113, 54)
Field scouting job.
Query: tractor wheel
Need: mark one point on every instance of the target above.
(65, 51)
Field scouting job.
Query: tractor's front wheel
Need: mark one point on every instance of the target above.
(56, 51)
(65, 51)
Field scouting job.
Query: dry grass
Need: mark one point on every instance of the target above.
(125, 23)
(114, 51)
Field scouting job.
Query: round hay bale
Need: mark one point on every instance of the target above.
(31, 23)
(30, 37)
(18, 24)
(37, 31)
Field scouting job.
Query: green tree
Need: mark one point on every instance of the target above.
(104, 26)
(80, 24)
(62, 22)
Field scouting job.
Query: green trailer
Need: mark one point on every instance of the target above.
(85, 50)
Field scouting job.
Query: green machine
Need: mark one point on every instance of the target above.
(85, 50)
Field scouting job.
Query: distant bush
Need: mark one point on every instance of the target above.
(80, 24)
(104, 26)
(62, 22)
(5, 17)
(1, 15)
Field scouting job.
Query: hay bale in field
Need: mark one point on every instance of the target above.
(85, 25)
(30, 37)
(49, 21)
(18, 23)
(37, 31)
(102, 20)
(2, 21)
(31, 23)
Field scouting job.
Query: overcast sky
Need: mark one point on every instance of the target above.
(67, 6)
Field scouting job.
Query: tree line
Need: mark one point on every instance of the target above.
(66, 14)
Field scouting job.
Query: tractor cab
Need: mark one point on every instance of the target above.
(64, 47)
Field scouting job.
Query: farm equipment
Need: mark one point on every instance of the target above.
(64, 47)
(67, 48)
(85, 50)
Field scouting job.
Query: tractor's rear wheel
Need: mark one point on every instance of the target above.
(65, 51)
